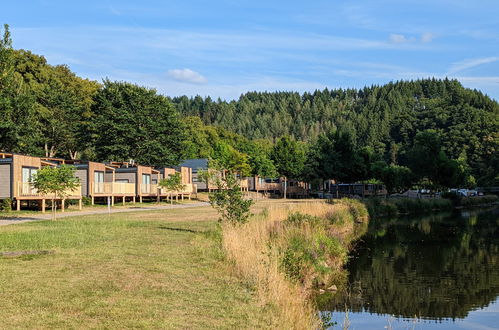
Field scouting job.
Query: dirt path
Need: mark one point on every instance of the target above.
(11, 221)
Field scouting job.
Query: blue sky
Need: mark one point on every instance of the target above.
(225, 48)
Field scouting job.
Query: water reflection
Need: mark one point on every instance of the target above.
(437, 267)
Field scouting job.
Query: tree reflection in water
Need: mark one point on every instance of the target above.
(436, 267)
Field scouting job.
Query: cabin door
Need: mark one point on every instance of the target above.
(146, 183)
(99, 182)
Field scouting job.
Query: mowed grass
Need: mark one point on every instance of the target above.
(159, 269)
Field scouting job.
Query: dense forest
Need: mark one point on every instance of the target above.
(385, 119)
(425, 132)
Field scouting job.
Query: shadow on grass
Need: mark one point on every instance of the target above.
(181, 229)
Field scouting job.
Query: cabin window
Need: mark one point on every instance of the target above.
(28, 173)
(99, 182)
(98, 177)
(146, 179)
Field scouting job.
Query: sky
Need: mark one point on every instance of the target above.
(226, 48)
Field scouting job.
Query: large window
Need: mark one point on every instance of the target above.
(146, 183)
(99, 182)
(28, 173)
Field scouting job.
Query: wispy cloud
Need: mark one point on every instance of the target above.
(471, 63)
(427, 37)
(187, 76)
(398, 38)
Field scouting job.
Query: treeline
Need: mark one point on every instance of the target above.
(49, 111)
(384, 119)
(429, 132)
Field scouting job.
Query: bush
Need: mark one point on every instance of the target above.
(5, 205)
(478, 200)
(86, 200)
(378, 207)
(229, 201)
(311, 257)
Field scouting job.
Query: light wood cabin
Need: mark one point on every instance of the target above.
(98, 181)
(16, 172)
(295, 188)
(186, 175)
(138, 176)
(355, 189)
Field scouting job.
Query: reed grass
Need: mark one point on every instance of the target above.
(287, 251)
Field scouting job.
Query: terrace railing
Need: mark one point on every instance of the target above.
(26, 189)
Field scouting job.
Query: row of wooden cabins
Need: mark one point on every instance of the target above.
(116, 181)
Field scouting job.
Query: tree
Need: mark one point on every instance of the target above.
(397, 179)
(228, 200)
(58, 182)
(17, 120)
(428, 161)
(173, 184)
(135, 122)
(289, 159)
(62, 103)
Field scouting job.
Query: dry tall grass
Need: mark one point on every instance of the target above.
(255, 259)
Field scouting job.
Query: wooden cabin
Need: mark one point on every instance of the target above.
(187, 177)
(98, 181)
(276, 186)
(139, 177)
(16, 172)
(195, 166)
(356, 189)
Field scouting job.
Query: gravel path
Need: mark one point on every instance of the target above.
(11, 221)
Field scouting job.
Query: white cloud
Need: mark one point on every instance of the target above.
(471, 63)
(427, 37)
(398, 38)
(187, 75)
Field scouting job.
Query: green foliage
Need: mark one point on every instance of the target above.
(306, 252)
(289, 157)
(86, 200)
(56, 182)
(459, 200)
(172, 183)
(428, 161)
(396, 179)
(5, 205)
(229, 201)
(18, 121)
(384, 119)
(382, 207)
(135, 122)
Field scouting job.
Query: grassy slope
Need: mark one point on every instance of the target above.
(155, 269)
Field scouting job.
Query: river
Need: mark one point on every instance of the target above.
(434, 272)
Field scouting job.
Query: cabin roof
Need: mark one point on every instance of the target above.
(195, 164)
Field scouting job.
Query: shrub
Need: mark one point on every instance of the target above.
(86, 200)
(229, 201)
(478, 200)
(378, 207)
(311, 257)
(299, 218)
(5, 205)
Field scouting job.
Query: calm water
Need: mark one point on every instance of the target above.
(434, 272)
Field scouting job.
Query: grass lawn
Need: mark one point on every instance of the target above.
(158, 269)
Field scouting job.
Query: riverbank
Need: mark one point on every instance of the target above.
(288, 253)
(392, 207)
